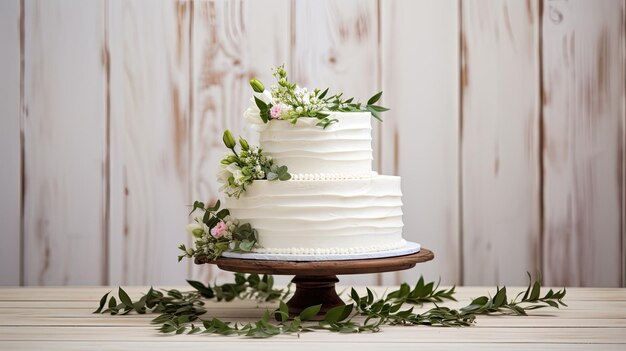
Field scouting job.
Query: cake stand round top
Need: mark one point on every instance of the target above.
(320, 268)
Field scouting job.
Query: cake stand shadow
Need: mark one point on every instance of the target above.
(315, 280)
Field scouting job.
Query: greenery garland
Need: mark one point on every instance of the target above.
(184, 312)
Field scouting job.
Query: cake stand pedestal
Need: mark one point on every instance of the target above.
(315, 280)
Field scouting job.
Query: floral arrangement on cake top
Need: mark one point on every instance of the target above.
(215, 232)
(288, 101)
(250, 164)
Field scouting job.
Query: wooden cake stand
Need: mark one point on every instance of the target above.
(315, 280)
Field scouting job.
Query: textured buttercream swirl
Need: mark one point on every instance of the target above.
(326, 215)
(343, 147)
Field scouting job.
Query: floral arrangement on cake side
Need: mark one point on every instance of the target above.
(240, 169)
(215, 232)
(288, 101)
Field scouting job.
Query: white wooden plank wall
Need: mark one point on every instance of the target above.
(10, 183)
(230, 45)
(500, 141)
(150, 116)
(64, 126)
(507, 126)
(423, 74)
(583, 151)
(336, 44)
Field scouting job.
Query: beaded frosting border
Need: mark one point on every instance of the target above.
(331, 251)
(331, 176)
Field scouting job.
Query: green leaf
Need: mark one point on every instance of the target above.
(310, 312)
(333, 315)
(355, 296)
(260, 104)
(271, 176)
(323, 94)
(370, 296)
(196, 205)
(113, 305)
(500, 297)
(215, 207)
(284, 176)
(378, 108)
(246, 245)
(374, 113)
(103, 301)
(124, 297)
(222, 213)
(265, 115)
(205, 291)
(534, 294)
(282, 313)
(374, 98)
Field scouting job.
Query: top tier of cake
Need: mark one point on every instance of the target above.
(344, 147)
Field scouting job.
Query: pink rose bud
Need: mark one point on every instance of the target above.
(275, 111)
(218, 230)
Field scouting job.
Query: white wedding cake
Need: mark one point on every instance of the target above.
(307, 191)
(333, 203)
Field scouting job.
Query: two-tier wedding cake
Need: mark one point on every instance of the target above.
(308, 189)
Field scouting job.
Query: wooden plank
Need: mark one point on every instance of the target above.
(575, 309)
(150, 140)
(231, 45)
(93, 294)
(24, 318)
(583, 142)
(500, 141)
(419, 138)
(335, 43)
(397, 334)
(10, 153)
(64, 126)
(287, 345)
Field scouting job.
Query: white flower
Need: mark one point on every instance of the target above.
(238, 175)
(252, 115)
(265, 96)
(222, 177)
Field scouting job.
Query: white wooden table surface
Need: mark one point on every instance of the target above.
(49, 318)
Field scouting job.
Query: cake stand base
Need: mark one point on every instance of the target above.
(315, 280)
(314, 290)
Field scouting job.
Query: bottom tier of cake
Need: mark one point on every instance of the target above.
(342, 216)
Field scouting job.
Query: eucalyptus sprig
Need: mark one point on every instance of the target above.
(180, 308)
(182, 312)
(531, 300)
(422, 293)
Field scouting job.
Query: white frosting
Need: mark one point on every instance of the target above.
(343, 147)
(330, 216)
